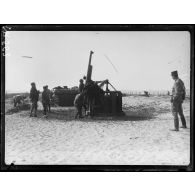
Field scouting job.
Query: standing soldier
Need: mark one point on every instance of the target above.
(84, 79)
(178, 95)
(49, 94)
(78, 103)
(81, 86)
(45, 100)
(34, 97)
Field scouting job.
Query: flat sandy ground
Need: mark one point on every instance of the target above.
(142, 137)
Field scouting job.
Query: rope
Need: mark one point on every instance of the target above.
(111, 63)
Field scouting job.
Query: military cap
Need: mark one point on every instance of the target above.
(174, 73)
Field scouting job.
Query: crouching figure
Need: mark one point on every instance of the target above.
(18, 99)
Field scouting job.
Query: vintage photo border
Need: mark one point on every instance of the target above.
(106, 27)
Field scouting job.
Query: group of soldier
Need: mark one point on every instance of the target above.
(79, 101)
(34, 97)
(177, 98)
(82, 98)
(90, 94)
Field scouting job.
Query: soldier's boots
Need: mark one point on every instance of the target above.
(176, 124)
(183, 121)
(174, 129)
(183, 127)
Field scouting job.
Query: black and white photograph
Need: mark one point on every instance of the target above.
(97, 97)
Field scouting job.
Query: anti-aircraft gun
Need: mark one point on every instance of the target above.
(105, 101)
(99, 99)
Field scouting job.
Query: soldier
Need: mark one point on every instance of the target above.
(81, 86)
(18, 99)
(34, 97)
(84, 79)
(78, 103)
(49, 94)
(45, 100)
(178, 95)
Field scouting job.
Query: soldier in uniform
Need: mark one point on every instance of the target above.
(45, 100)
(178, 95)
(49, 94)
(34, 97)
(84, 79)
(81, 86)
(18, 99)
(78, 103)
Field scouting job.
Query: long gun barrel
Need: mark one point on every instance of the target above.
(89, 70)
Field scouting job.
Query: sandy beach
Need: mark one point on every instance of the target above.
(142, 137)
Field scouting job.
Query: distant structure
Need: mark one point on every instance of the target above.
(146, 93)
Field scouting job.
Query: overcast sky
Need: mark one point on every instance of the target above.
(142, 60)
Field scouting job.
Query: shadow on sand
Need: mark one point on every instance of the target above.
(69, 115)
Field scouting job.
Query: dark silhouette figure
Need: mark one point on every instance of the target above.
(92, 94)
(34, 97)
(45, 100)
